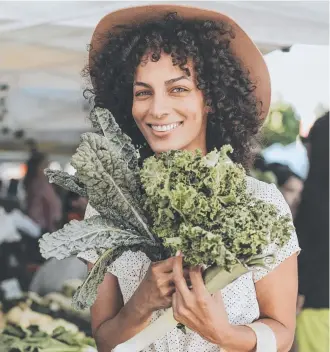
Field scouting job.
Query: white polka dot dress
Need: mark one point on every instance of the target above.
(239, 297)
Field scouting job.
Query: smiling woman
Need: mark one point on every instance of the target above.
(214, 96)
(181, 78)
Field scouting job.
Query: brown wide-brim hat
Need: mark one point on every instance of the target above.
(242, 45)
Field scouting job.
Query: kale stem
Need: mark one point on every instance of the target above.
(217, 278)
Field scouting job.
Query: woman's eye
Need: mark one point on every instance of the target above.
(143, 93)
(179, 90)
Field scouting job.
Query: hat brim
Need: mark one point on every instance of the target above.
(242, 45)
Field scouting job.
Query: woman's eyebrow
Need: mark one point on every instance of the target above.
(173, 80)
(142, 84)
(170, 81)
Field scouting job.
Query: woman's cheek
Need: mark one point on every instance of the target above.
(191, 106)
(139, 111)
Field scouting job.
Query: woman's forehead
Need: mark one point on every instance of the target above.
(163, 68)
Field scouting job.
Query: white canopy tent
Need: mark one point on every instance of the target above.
(43, 49)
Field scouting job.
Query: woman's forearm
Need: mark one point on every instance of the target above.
(129, 321)
(242, 338)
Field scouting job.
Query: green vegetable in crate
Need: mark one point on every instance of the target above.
(17, 339)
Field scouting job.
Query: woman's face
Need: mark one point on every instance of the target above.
(168, 108)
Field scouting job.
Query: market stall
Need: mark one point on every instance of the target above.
(45, 89)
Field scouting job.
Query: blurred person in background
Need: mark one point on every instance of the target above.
(289, 183)
(12, 188)
(54, 273)
(312, 226)
(74, 207)
(79, 205)
(42, 203)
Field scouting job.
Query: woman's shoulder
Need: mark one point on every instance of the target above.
(260, 189)
(267, 192)
(270, 194)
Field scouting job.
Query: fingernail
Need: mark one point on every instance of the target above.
(178, 253)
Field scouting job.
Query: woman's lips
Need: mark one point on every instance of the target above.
(166, 132)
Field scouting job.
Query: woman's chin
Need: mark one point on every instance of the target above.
(166, 148)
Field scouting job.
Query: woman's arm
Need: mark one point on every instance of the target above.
(276, 294)
(112, 321)
(277, 298)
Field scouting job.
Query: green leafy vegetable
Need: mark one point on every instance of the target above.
(178, 200)
(119, 142)
(111, 186)
(86, 294)
(200, 205)
(66, 181)
(96, 232)
(107, 172)
(16, 339)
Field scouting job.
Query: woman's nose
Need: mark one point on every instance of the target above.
(160, 107)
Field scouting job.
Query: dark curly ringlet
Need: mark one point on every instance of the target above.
(234, 116)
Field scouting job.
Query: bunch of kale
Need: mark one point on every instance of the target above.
(201, 206)
(179, 200)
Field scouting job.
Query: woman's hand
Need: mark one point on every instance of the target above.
(157, 287)
(196, 308)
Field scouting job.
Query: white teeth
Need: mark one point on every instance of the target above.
(164, 128)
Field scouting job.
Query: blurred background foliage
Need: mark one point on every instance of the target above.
(281, 125)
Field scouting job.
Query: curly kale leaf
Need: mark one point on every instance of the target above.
(205, 247)
(79, 236)
(69, 182)
(200, 205)
(182, 186)
(110, 184)
(86, 294)
(250, 227)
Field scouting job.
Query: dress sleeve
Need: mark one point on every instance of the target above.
(292, 246)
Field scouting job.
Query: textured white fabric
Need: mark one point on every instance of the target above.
(239, 297)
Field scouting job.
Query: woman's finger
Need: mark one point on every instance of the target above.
(165, 266)
(186, 275)
(197, 281)
(178, 306)
(175, 305)
(179, 280)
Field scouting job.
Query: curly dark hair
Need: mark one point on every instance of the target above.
(234, 116)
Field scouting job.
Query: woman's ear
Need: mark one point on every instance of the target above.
(208, 109)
